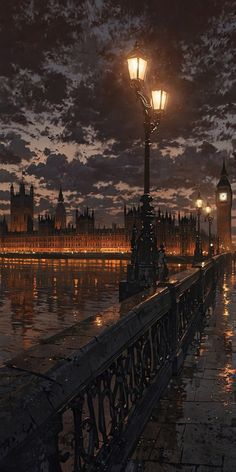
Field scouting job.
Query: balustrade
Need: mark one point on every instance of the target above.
(101, 397)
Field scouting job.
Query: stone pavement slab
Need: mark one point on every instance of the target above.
(193, 427)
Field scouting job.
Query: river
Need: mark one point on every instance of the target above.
(39, 298)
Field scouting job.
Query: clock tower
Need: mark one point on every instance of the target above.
(224, 205)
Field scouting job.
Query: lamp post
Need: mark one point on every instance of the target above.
(143, 268)
(198, 242)
(209, 217)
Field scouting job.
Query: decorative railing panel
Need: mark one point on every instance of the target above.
(102, 409)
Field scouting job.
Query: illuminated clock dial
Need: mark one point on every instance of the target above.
(223, 196)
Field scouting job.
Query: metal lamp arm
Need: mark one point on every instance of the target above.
(152, 119)
(140, 94)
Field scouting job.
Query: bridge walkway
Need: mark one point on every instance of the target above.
(193, 428)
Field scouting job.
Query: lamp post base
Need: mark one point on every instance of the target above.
(143, 275)
(144, 248)
(142, 272)
(133, 286)
(127, 289)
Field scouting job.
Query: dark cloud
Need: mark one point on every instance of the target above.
(53, 170)
(35, 30)
(4, 195)
(45, 206)
(6, 176)
(7, 156)
(13, 149)
(5, 207)
(47, 151)
(81, 177)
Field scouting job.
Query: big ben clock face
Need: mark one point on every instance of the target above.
(223, 196)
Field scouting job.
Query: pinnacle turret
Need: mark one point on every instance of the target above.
(60, 196)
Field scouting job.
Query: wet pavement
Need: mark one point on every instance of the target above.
(193, 428)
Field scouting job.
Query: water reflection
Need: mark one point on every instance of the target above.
(39, 298)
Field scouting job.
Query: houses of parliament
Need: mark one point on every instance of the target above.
(54, 235)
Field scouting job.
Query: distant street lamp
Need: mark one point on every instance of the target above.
(142, 270)
(209, 217)
(198, 242)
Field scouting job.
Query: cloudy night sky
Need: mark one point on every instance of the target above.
(68, 114)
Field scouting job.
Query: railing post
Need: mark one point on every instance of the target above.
(176, 355)
(200, 288)
(201, 291)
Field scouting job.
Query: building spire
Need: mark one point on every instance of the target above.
(22, 188)
(60, 196)
(223, 171)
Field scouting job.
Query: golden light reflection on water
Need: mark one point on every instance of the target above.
(98, 320)
(41, 297)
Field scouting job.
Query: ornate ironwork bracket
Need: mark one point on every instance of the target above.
(152, 118)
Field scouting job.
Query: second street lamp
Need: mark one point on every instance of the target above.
(209, 218)
(198, 242)
(142, 272)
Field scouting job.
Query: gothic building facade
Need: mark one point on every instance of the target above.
(85, 222)
(54, 235)
(178, 234)
(22, 209)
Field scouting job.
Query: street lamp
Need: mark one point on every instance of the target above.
(198, 242)
(209, 217)
(142, 270)
(137, 64)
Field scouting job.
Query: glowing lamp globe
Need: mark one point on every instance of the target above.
(199, 201)
(137, 64)
(159, 100)
(208, 209)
